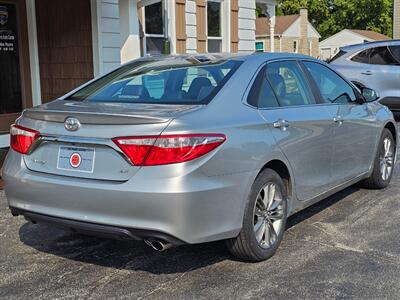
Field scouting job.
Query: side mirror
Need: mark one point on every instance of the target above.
(369, 95)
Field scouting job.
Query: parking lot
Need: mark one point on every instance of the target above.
(345, 246)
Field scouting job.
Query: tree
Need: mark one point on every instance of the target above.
(290, 7)
(332, 16)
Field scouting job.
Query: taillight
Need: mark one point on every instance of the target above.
(22, 138)
(168, 149)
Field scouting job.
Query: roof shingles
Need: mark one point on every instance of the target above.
(371, 34)
(281, 25)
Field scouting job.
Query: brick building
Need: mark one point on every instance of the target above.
(292, 33)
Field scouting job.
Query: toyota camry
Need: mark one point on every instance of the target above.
(198, 148)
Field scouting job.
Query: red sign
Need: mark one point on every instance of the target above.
(75, 160)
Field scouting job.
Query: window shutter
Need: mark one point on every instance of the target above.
(180, 24)
(201, 25)
(234, 25)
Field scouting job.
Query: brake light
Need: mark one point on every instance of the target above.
(22, 138)
(168, 149)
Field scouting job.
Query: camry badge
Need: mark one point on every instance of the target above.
(72, 124)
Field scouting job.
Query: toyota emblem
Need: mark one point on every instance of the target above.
(72, 124)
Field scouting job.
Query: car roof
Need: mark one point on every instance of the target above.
(356, 47)
(215, 57)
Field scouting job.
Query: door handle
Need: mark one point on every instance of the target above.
(338, 120)
(283, 124)
(368, 73)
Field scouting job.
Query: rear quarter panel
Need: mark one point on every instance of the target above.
(249, 144)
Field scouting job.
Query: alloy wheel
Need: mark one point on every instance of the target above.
(387, 159)
(268, 215)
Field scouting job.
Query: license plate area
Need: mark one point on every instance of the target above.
(77, 159)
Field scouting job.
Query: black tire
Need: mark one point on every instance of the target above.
(246, 246)
(377, 180)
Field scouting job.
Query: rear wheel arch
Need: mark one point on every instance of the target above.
(392, 128)
(283, 171)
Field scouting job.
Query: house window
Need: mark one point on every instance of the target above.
(259, 46)
(154, 27)
(296, 46)
(214, 37)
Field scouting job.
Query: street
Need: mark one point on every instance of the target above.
(345, 246)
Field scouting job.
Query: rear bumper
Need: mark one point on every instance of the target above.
(105, 231)
(177, 202)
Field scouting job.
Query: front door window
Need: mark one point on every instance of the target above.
(332, 87)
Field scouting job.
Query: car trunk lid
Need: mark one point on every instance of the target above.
(89, 151)
(105, 113)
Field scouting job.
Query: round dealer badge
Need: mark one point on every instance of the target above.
(75, 160)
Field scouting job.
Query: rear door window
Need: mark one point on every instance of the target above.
(289, 84)
(376, 56)
(261, 94)
(395, 51)
(362, 57)
(381, 56)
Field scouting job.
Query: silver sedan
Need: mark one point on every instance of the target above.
(192, 149)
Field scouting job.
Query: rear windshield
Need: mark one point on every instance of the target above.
(161, 82)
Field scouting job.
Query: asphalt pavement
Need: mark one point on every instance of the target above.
(347, 246)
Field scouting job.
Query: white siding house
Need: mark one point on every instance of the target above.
(247, 25)
(330, 46)
(66, 43)
(191, 40)
(106, 36)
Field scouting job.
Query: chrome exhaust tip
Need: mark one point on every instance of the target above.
(158, 245)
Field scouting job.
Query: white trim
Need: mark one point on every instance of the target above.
(97, 42)
(170, 23)
(226, 26)
(165, 25)
(129, 24)
(155, 35)
(33, 52)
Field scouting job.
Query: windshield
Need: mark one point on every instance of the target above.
(179, 81)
